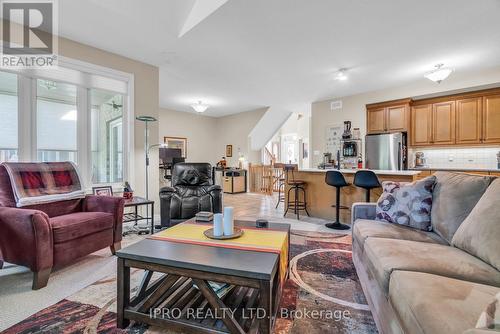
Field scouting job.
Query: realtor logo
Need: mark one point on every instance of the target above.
(29, 34)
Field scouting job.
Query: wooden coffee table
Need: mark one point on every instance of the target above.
(254, 276)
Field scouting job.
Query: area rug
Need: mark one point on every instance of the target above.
(322, 295)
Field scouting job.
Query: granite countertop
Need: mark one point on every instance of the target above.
(352, 171)
(456, 169)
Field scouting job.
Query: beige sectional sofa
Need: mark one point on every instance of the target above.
(419, 282)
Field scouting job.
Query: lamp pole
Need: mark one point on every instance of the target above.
(146, 119)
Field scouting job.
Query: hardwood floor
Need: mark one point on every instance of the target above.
(250, 206)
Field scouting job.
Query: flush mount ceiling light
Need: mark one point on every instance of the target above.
(200, 107)
(439, 73)
(341, 74)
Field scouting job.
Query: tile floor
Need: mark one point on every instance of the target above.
(250, 206)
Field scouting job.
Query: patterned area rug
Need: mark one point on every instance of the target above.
(322, 295)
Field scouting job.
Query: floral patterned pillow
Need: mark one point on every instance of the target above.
(407, 203)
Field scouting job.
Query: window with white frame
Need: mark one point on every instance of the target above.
(79, 113)
(8, 117)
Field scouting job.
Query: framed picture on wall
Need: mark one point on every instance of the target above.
(177, 142)
(229, 151)
(102, 191)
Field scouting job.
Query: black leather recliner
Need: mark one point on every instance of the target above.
(192, 191)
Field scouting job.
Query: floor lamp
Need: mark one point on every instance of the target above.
(146, 120)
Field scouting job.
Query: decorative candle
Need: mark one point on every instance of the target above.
(218, 229)
(228, 220)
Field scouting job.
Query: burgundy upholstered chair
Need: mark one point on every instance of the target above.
(42, 237)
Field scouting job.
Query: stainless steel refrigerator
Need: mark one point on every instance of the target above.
(386, 151)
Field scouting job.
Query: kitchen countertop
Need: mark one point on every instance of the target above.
(456, 169)
(352, 171)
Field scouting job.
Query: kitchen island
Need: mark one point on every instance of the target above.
(320, 196)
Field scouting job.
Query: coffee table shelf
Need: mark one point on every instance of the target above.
(173, 269)
(171, 292)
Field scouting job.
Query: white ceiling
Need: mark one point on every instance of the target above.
(284, 53)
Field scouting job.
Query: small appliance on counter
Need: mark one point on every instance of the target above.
(327, 163)
(419, 160)
(351, 152)
(347, 130)
(386, 151)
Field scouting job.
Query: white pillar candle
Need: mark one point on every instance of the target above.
(218, 229)
(228, 220)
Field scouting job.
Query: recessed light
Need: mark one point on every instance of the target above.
(199, 107)
(341, 74)
(439, 73)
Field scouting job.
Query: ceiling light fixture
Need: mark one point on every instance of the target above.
(341, 74)
(439, 73)
(200, 107)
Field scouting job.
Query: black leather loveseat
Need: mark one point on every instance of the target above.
(192, 191)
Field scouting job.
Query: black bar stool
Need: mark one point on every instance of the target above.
(296, 186)
(366, 179)
(336, 179)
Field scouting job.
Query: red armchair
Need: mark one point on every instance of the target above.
(42, 237)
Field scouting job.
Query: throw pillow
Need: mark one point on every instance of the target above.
(479, 234)
(450, 210)
(407, 203)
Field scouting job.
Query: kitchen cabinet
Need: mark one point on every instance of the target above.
(397, 118)
(491, 119)
(421, 125)
(469, 120)
(443, 123)
(393, 116)
(465, 119)
(376, 120)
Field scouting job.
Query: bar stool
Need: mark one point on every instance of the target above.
(336, 179)
(366, 179)
(281, 183)
(295, 186)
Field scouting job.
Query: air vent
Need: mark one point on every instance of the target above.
(336, 105)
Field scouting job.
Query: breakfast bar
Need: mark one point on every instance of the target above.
(320, 197)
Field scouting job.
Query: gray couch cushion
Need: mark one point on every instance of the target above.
(384, 256)
(479, 234)
(454, 197)
(427, 303)
(364, 229)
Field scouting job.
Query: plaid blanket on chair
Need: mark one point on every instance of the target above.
(44, 182)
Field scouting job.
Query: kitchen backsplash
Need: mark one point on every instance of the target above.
(474, 157)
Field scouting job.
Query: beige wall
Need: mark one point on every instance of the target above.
(146, 102)
(354, 110)
(208, 136)
(201, 132)
(234, 130)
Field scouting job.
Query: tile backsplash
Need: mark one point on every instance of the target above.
(474, 157)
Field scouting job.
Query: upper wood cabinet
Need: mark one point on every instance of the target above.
(421, 125)
(491, 119)
(376, 120)
(388, 117)
(443, 123)
(397, 118)
(469, 120)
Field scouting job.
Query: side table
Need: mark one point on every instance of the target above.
(135, 202)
